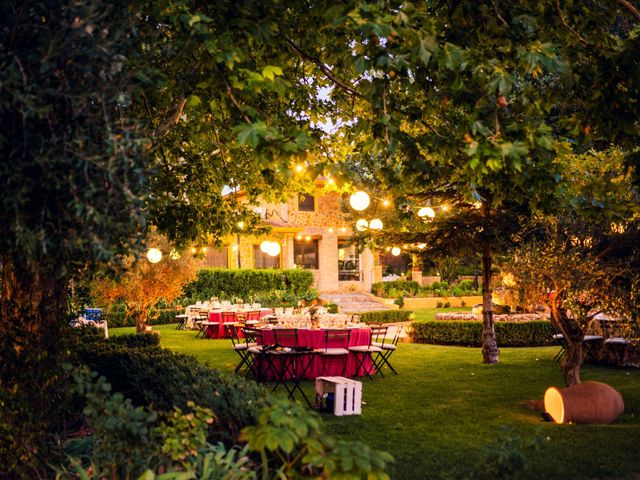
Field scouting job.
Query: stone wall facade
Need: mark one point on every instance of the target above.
(326, 225)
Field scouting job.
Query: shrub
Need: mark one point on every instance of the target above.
(331, 308)
(134, 442)
(395, 288)
(247, 283)
(386, 316)
(466, 285)
(439, 305)
(446, 305)
(140, 340)
(150, 375)
(399, 301)
(469, 333)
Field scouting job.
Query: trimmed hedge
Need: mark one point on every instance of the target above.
(386, 316)
(469, 333)
(246, 283)
(411, 288)
(148, 375)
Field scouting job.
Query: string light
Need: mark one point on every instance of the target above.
(154, 255)
(362, 225)
(426, 212)
(375, 224)
(359, 201)
(241, 225)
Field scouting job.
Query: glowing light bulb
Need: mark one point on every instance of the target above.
(362, 225)
(375, 224)
(154, 255)
(359, 200)
(395, 251)
(426, 212)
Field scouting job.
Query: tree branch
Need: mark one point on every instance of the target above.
(633, 10)
(172, 117)
(323, 68)
(567, 26)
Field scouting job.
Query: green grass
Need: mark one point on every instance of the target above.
(446, 410)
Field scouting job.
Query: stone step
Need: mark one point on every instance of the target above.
(354, 302)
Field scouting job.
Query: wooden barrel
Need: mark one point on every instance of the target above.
(588, 402)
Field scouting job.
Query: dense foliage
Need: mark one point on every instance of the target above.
(386, 316)
(413, 289)
(247, 284)
(469, 333)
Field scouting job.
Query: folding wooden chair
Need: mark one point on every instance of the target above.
(241, 347)
(363, 352)
(388, 348)
(289, 363)
(336, 344)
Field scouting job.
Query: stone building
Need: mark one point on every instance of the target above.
(312, 234)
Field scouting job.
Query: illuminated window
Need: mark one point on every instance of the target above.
(305, 254)
(217, 257)
(306, 203)
(262, 260)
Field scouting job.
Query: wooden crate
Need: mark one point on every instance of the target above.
(343, 395)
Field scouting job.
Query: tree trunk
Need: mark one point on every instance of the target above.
(573, 337)
(571, 363)
(32, 318)
(490, 351)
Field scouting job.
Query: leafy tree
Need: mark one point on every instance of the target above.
(143, 283)
(581, 262)
(474, 101)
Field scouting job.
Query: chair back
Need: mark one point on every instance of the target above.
(229, 317)
(378, 334)
(287, 337)
(336, 338)
(252, 335)
(203, 314)
(252, 315)
(233, 332)
(394, 332)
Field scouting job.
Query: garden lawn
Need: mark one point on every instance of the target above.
(429, 314)
(446, 412)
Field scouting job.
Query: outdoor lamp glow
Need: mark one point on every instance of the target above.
(154, 255)
(275, 249)
(362, 225)
(359, 200)
(395, 251)
(426, 212)
(264, 246)
(422, 246)
(375, 224)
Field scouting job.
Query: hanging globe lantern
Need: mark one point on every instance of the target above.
(375, 224)
(362, 225)
(426, 212)
(395, 251)
(359, 200)
(154, 255)
(264, 246)
(273, 249)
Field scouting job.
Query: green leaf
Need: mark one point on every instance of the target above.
(271, 71)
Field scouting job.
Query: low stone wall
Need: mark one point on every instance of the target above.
(512, 317)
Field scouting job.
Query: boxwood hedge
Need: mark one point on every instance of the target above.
(246, 283)
(469, 333)
(386, 316)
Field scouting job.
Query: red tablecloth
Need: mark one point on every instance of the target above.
(315, 339)
(217, 331)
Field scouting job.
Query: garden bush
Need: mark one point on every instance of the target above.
(411, 288)
(469, 333)
(247, 284)
(287, 441)
(395, 288)
(386, 316)
(150, 375)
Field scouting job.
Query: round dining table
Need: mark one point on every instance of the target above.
(216, 325)
(315, 339)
